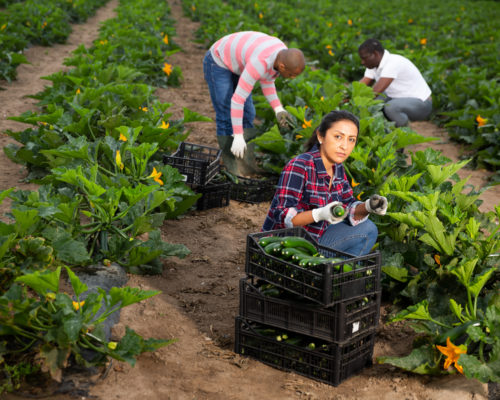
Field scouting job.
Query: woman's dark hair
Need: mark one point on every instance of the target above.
(371, 46)
(327, 122)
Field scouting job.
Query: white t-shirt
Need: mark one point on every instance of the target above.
(408, 81)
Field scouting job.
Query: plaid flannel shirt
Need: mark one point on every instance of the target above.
(304, 185)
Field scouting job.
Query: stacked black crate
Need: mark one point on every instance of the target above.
(318, 321)
(201, 166)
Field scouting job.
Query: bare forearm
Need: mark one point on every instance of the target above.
(303, 218)
(360, 211)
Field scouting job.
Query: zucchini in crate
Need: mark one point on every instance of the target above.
(298, 242)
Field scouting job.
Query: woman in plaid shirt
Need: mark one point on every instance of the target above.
(314, 182)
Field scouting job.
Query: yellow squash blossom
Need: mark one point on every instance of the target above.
(481, 121)
(3, 27)
(410, 21)
(329, 24)
(118, 159)
(122, 137)
(322, 98)
(193, 8)
(359, 196)
(78, 91)
(156, 176)
(165, 39)
(261, 15)
(354, 183)
(77, 305)
(437, 258)
(423, 41)
(452, 354)
(50, 296)
(331, 53)
(112, 345)
(349, 22)
(145, 109)
(329, 46)
(297, 137)
(164, 125)
(167, 68)
(307, 124)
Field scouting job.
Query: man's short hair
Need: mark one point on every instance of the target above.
(371, 46)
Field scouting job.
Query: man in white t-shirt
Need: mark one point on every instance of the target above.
(398, 82)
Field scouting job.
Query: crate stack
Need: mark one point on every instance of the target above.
(201, 165)
(323, 323)
(253, 191)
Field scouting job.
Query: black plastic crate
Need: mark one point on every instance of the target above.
(253, 191)
(323, 283)
(213, 195)
(197, 162)
(331, 363)
(340, 322)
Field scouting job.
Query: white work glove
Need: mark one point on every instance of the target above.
(325, 213)
(283, 117)
(376, 204)
(239, 145)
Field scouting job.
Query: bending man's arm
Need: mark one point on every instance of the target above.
(382, 84)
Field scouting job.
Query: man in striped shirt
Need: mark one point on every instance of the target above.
(232, 67)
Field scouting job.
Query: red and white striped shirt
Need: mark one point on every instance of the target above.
(251, 55)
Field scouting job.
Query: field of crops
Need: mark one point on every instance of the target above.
(95, 191)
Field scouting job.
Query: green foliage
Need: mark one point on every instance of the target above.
(462, 70)
(34, 22)
(53, 329)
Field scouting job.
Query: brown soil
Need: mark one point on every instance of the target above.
(200, 294)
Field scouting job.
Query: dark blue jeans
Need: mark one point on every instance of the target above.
(356, 240)
(222, 84)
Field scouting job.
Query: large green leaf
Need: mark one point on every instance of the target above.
(439, 173)
(42, 282)
(193, 116)
(78, 286)
(483, 372)
(418, 311)
(420, 361)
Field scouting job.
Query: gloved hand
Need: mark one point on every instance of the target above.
(239, 145)
(325, 213)
(376, 204)
(284, 119)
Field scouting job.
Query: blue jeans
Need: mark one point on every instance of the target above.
(406, 109)
(222, 84)
(356, 240)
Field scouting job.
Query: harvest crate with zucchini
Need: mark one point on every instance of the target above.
(329, 362)
(307, 308)
(265, 303)
(292, 260)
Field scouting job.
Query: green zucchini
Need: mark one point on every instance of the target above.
(293, 253)
(453, 333)
(297, 241)
(338, 211)
(264, 241)
(273, 248)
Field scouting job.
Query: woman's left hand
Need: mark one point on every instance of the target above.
(376, 204)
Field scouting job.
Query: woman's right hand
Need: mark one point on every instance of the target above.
(325, 213)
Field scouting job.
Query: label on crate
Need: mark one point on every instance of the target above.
(355, 327)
